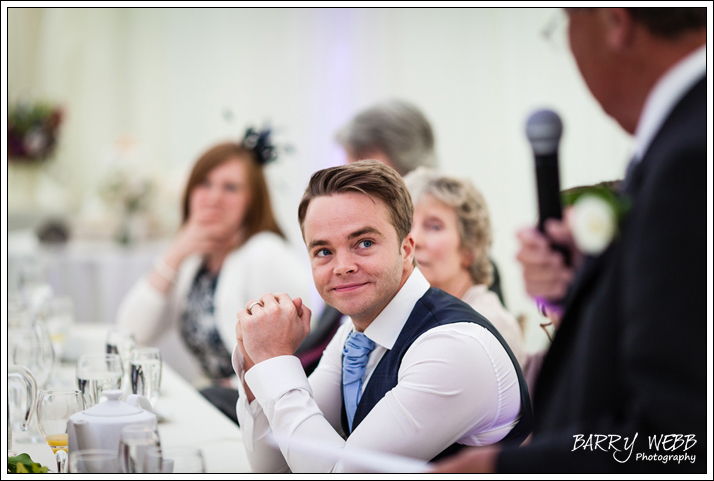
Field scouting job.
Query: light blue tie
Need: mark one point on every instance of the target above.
(356, 353)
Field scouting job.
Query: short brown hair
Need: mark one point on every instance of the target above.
(670, 21)
(369, 177)
(259, 215)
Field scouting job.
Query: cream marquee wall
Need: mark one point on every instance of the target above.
(168, 79)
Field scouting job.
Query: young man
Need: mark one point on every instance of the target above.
(415, 372)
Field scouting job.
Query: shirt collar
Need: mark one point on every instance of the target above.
(385, 328)
(668, 90)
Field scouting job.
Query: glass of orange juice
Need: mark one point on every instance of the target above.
(53, 411)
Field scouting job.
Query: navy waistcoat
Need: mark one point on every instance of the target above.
(435, 308)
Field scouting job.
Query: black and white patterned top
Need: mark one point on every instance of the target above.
(199, 330)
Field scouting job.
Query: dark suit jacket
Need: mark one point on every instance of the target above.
(631, 352)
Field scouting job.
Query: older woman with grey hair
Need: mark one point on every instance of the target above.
(452, 231)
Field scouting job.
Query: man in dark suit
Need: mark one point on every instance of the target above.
(628, 366)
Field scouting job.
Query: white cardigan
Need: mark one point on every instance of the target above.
(489, 306)
(266, 263)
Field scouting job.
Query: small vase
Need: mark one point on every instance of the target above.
(130, 230)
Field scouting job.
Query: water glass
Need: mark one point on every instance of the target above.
(145, 373)
(135, 442)
(97, 373)
(180, 459)
(94, 461)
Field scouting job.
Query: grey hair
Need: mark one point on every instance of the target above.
(396, 128)
(473, 221)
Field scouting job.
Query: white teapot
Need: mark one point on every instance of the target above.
(100, 426)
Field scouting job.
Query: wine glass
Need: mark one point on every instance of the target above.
(120, 341)
(58, 314)
(134, 443)
(94, 461)
(18, 314)
(31, 347)
(53, 411)
(33, 283)
(97, 373)
(145, 373)
(179, 459)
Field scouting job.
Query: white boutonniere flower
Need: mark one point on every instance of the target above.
(593, 224)
(595, 217)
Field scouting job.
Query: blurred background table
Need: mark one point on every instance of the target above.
(95, 274)
(189, 419)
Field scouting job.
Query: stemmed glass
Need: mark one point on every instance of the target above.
(53, 411)
(134, 444)
(97, 373)
(145, 373)
(180, 459)
(120, 341)
(33, 283)
(58, 314)
(31, 347)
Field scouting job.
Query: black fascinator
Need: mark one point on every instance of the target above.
(259, 143)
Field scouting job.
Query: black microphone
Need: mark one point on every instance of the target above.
(543, 130)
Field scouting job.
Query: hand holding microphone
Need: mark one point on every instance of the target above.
(545, 252)
(543, 130)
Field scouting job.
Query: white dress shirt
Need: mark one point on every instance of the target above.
(665, 94)
(455, 383)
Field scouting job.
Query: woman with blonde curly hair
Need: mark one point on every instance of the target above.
(452, 231)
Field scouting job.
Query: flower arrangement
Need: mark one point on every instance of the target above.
(130, 195)
(32, 131)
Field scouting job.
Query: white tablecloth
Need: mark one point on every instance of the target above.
(190, 419)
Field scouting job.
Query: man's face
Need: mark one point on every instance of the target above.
(587, 33)
(358, 263)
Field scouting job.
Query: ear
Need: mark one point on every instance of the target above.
(467, 257)
(407, 249)
(618, 28)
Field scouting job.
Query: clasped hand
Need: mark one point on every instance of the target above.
(274, 327)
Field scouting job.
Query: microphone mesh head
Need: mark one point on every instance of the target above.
(543, 130)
